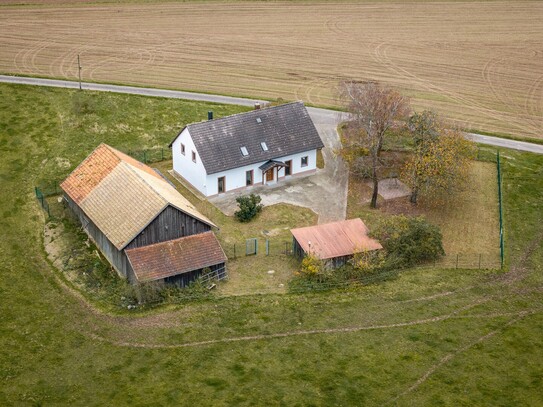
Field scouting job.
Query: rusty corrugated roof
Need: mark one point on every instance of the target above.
(121, 195)
(335, 239)
(166, 259)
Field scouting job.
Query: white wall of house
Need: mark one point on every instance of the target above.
(193, 172)
(236, 178)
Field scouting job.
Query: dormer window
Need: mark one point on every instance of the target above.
(244, 151)
(264, 146)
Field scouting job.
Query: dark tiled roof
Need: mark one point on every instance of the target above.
(286, 129)
(166, 259)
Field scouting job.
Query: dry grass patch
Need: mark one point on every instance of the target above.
(469, 221)
(476, 62)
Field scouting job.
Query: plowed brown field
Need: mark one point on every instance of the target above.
(481, 63)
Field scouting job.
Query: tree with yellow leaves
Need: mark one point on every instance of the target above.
(441, 158)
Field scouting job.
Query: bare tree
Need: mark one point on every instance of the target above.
(373, 110)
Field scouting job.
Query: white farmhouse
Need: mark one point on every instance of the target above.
(262, 146)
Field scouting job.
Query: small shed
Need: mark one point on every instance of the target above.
(334, 242)
(178, 261)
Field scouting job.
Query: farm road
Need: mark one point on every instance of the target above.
(323, 116)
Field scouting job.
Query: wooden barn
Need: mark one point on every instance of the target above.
(335, 242)
(123, 205)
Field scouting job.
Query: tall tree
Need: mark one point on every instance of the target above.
(373, 110)
(441, 157)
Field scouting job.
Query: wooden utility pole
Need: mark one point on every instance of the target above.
(79, 66)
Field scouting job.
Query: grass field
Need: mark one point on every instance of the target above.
(428, 337)
(478, 62)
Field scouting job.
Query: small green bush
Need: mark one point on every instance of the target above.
(409, 241)
(249, 207)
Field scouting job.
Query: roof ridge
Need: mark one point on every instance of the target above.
(133, 169)
(165, 200)
(245, 113)
(171, 241)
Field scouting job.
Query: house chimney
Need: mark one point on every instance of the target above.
(257, 106)
(210, 115)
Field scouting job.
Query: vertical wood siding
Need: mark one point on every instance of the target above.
(183, 280)
(170, 224)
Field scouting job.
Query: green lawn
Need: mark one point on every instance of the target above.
(428, 337)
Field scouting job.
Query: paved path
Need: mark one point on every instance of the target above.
(322, 115)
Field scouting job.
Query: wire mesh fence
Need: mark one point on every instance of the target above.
(257, 247)
(151, 155)
(42, 200)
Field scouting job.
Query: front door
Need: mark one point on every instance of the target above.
(288, 166)
(221, 185)
(269, 175)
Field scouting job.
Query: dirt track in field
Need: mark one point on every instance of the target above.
(480, 63)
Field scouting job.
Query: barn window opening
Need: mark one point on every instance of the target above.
(264, 146)
(244, 151)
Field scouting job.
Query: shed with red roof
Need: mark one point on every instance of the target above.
(334, 242)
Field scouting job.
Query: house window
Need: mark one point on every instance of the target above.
(221, 184)
(244, 151)
(264, 146)
(194, 156)
(182, 149)
(305, 161)
(249, 178)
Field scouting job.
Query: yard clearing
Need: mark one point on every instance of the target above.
(478, 63)
(468, 221)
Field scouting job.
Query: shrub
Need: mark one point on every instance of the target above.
(311, 265)
(249, 207)
(409, 240)
(368, 262)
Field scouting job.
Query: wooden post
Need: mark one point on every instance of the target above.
(79, 70)
(479, 261)
(457, 260)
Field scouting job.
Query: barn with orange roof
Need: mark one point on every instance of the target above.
(145, 228)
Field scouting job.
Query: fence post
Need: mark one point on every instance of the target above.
(145, 156)
(162, 153)
(479, 261)
(500, 206)
(267, 247)
(457, 260)
(234, 250)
